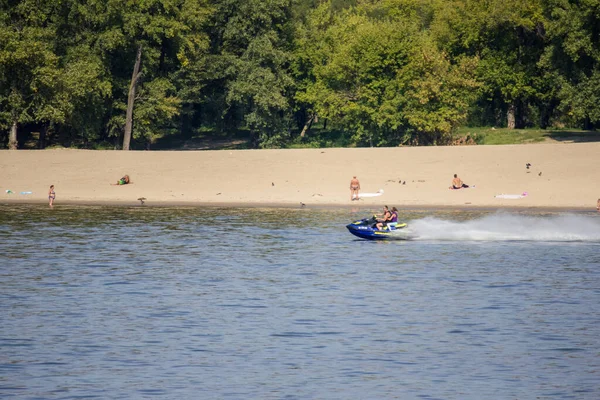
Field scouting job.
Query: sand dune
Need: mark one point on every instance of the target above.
(561, 175)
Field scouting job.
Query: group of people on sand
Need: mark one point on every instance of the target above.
(457, 183)
(52, 194)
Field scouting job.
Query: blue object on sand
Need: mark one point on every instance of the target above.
(26, 192)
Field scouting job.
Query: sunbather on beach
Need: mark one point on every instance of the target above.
(457, 183)
(123, 181)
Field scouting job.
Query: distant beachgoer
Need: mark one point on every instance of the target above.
(457, 183)
(386, 217)
(354, 188)
(598, 205)
(123, 181)
(51, 196)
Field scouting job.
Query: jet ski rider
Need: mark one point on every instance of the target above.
(387, 216)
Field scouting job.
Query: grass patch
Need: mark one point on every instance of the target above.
(492, 136)
(205, 138)
(212, 139)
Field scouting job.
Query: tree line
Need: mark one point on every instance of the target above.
(384, 72)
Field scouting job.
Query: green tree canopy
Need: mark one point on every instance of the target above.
(381, 73)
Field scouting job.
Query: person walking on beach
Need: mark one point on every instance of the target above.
(51, 196)
(457, 183)
(354, 188)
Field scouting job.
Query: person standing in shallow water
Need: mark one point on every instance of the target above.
(51, 196)
(354, 188)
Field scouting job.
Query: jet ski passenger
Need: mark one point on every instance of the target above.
(394, 220)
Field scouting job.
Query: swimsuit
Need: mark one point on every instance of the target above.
(385, 218)
(354, 187)
(458, 184)
(393, 222)
(52, 195)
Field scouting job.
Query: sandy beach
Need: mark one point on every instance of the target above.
(562, 175)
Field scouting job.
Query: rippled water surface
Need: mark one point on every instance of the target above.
(201, 303)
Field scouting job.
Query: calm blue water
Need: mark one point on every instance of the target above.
(191, 303)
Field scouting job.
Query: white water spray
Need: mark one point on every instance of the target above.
(506, 227)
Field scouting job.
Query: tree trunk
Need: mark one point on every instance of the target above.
(307, 125)
(42, 139)
(510, 114)
(131, 100)
(546, 114)
(12, 137)
(520, 115)
(544, 117)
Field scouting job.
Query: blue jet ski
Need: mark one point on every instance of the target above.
(366, 229)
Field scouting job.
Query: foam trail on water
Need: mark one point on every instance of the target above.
(504, 227)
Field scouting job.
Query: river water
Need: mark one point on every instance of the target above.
(209, 303)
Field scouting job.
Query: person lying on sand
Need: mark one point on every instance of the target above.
(457, 183)
(123, 181)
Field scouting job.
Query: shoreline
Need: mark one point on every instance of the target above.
(357, 207)
(554, 176)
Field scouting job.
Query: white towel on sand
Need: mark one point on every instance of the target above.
(511, 196)
(378, 193)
